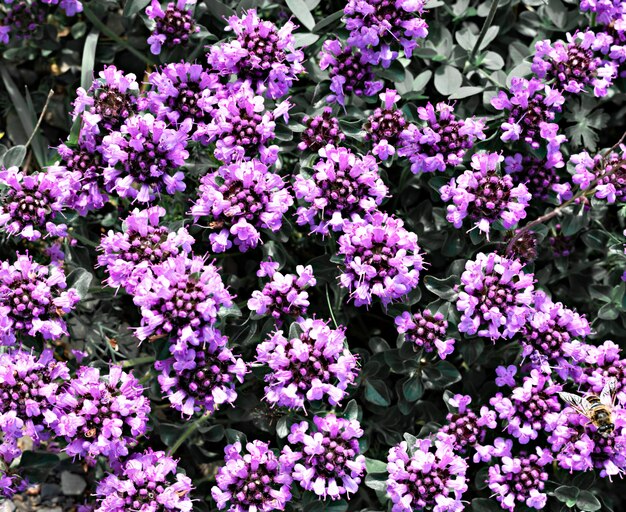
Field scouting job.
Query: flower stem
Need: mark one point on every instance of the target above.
(190, 430)
(483, 31)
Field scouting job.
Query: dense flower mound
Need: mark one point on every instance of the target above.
(284, 295)
(201, 378)
(426, 475)
(441, 141)
(384, 126)
(181, 299)
(240, 199)
(30, 204)
(381, 259)
(485, 196)
(349, 72)
(385, 29)
(129, 255)
(33, 300)
(140, 156)
(20, 21)
(321, 130)
(101, 415)
(464, 427)
(252, 480)
(538, 178)
(601, 363)
(604, 174)
(426, 330)
(494, 297)
(342, 185)
(172, 25)
(313, 365)
(327, 458)
(573, 66)
(262, 54)
(148, 481)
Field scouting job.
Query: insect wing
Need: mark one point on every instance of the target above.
(607, 397)
(581, 405)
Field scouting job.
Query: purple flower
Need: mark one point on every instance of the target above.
(527, 407)
(385, 29)
(348, 71)
(465, 428)
(519, 480)
(530, 108)
(284, 295)
(321, 130)
(607, 173)
(242, 128)
(30, 204)
(327, 457)
(256, 480)
(172, 26)
(240, 199)
(539, 178)
(202, 377)
(426, 475)
(143, 244)
(20, 21)
(181, 299)
(573, 66)
(33, 300)
(315, 364)
(381, 259)
(607, 11)
(100, 415)
(262, 54)
(441, 141)
(11, 483)
(426, 330)
(147, 481)
(384, 126)
(602, 363)
(342, 185)
(495, 297)
(485, 196)
(71, 7)
(140, 155)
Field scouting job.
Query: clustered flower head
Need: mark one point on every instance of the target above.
(349, 72)
(607, 173)
(261, 54)
(494, 296)
(574, 66)
(381, 259)
(427, 331)
(33, 300)
(342, 185)
(147, 481)
(441, 141)
(30, 204)
(240, 199)
(321, 130)
(173, 25)
(465, 428)
(384, 125)
(485, 196)
(284, 295)
(203, 377)
(252, 480)
(385, 29)
(129, 255)
(536, 175)
(326, 456)
(426, 474)
(20, 21)
(315, 364)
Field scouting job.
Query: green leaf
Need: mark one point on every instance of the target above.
(574, 221)
(448, 80)
(596, 239)
(466, 92)
(485, 505)
(376, 392)
(375, 466)
(588, 502)
(132, 7)
(301, 11)
(89, 58)
(218, 10)
(234, 436)
(443, 288)
(14, 156)
(412, 389)
(80, 279)
(304, 39)
(567, 494)
(608, 312)
(421, 80)
(351, 412)
(440, 375)
(376, 484)
(328, 20)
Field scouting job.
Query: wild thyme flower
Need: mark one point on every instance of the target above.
(314, 365)
(485, 196)
(602, 363)
(262, 54)
(71, 7)
(495, 296)
(33, 300)
(441, 141)
(146, 481)
(535, 174)
(606, 172)
(464, 427)
(321, 130)
(173, 24)
(385, 29)
(20, 21)
(240, 199)
(384, 126)
(252, 480)
(426, 330)
(381, 259)
(30, 204)
(343, 184)
(327, 456)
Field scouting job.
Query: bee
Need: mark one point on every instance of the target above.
(597, 408)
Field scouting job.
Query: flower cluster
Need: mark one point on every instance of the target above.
(605, 173)
(381, 259)
(384, 126)
(314, 365)
(343, 184)
(536, 175)
(321, 130)
(427, 331)
(173, 25)
(464, 427)
(21, 20)
(240, 199)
